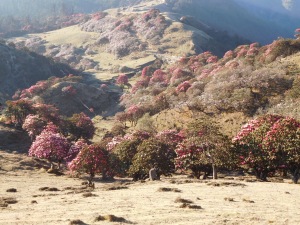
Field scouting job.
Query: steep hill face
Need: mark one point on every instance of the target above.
(238, 18)
(21, 69)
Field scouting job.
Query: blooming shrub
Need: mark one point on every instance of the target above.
(50, 145)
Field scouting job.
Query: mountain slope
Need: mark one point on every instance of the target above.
(22, 68)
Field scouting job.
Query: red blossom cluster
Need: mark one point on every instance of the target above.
(183, 87)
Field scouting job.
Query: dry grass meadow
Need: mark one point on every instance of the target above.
(30, 195)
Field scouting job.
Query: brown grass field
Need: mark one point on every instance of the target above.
(29, 195)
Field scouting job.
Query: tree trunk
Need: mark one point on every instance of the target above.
(215, 172)
(295, 175)
(90, 179)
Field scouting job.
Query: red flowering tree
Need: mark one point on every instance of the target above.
(50, 145)
(81, 126)
(283, 141)
(92, 159)
(253, 151)
(122, 80)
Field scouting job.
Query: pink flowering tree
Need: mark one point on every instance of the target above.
(159, 76)
(252, 149)
(50, 145)
(81, 126)
(92, 159)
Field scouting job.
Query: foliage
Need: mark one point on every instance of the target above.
(81, 126)
(18, 110)
(125, 152)
(204, 149)
(152, 153)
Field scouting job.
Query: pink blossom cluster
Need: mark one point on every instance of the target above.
(141, 83)
(114, 142)
(212, 59)
(75, 149)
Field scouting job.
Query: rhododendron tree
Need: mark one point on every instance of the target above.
(81, 126)
(170, 137)
(122, 80)
(283, 140)
(50, 145)
(47, 112)
(75, 149)
(253, 151)
(92, 159)
(125, 152)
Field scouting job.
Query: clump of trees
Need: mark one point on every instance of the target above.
(269, 143)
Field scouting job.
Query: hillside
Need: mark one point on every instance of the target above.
(246, 82)
(21, 68)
